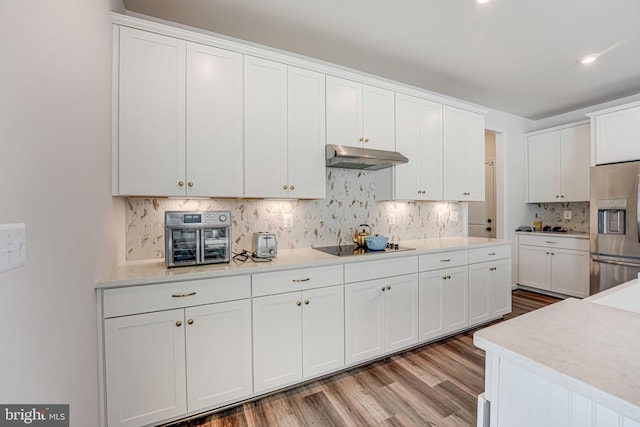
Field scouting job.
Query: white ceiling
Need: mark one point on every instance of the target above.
(517, 56)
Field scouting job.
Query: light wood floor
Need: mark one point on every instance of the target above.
(434, 385)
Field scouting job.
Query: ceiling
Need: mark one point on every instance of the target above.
(516, 56)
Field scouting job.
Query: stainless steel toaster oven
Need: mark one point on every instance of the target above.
(197, 237)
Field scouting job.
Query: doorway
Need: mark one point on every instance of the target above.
(482, 215)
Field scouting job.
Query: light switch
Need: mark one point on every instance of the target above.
(567, 214)
(288, 221)
(453, 216)
(440, 216)
(13, 246)
(392, 219)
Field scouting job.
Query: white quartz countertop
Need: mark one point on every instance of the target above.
(146, 272)
(583, 345)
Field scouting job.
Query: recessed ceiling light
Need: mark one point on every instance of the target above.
(588, 59)
(482, 1)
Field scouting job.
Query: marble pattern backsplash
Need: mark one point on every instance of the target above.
(349, 202)
(552, 214)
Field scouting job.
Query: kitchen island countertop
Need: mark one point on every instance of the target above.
(134, 273)
(589, 346)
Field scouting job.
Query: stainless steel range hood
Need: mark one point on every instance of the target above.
(342, 156)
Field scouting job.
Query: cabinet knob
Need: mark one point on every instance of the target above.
(190, 321)
(366, 140)
(298, 303)
(444, 277)
(190, 184)
(284, 187)
(361, 139)
(306, 302)
(466, 193)
(292, 187)
(382, 289)
(557, 196)
(388, 287)
(548, 253)
(181, 184)
(492, 268)
(179, 323)
(562, 196)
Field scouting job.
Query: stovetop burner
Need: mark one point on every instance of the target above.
(348, 250)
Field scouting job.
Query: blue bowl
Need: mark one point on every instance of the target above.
(376, 243)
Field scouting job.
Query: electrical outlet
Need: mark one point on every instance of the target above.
(440, 216)
(453, 216)
(13, 246)
(567, 214)
(392, 219)
(288, 221)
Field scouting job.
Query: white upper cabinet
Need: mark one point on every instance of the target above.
(558, 165)
(284, 131)
(265, 115)
(214, 122)
(463, 142)
(179, 118)
(616, 134)
(306, 134)
(359, 115)
(150, 115)
(419, 137)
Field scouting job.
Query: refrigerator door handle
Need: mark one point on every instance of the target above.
(622, 263)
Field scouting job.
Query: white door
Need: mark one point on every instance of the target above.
(418, 137)
(322, 330)
(344, 112)
(456, 298)
(575, 152)
(364, 320)
(214, 122)
(151, 114)
(401, 312)
(479, 303)
(543, 162)
(265, 120)
(482, 215)
(432, 308)
(534, 266)
(378, 118)
(218, 353)
(145, 368)
(570, 272)
(277, 340)
(463, 155)
(306, 134)
(500, 287)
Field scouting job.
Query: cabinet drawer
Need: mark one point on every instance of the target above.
(369, 270)
(443, 260)
(296, 280)
(143, 299)
(555, 241)
(489, 254)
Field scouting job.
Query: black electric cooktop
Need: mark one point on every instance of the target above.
(348, 250)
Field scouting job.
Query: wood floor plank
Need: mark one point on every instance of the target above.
(433, 385)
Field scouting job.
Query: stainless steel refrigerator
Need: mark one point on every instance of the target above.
(614, 224)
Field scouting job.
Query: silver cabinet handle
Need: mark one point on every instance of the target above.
(493, 268)
(190, 294)
(549, 241)
(306, 279)
(445, 260)
(491, 254)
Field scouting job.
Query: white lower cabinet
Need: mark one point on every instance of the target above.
(443, 302)
(297, 335)
(380, 316)
(554, 263)
(163, 364)
(489, 290)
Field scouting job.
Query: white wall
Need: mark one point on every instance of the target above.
(55, 135)
(511, 209)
